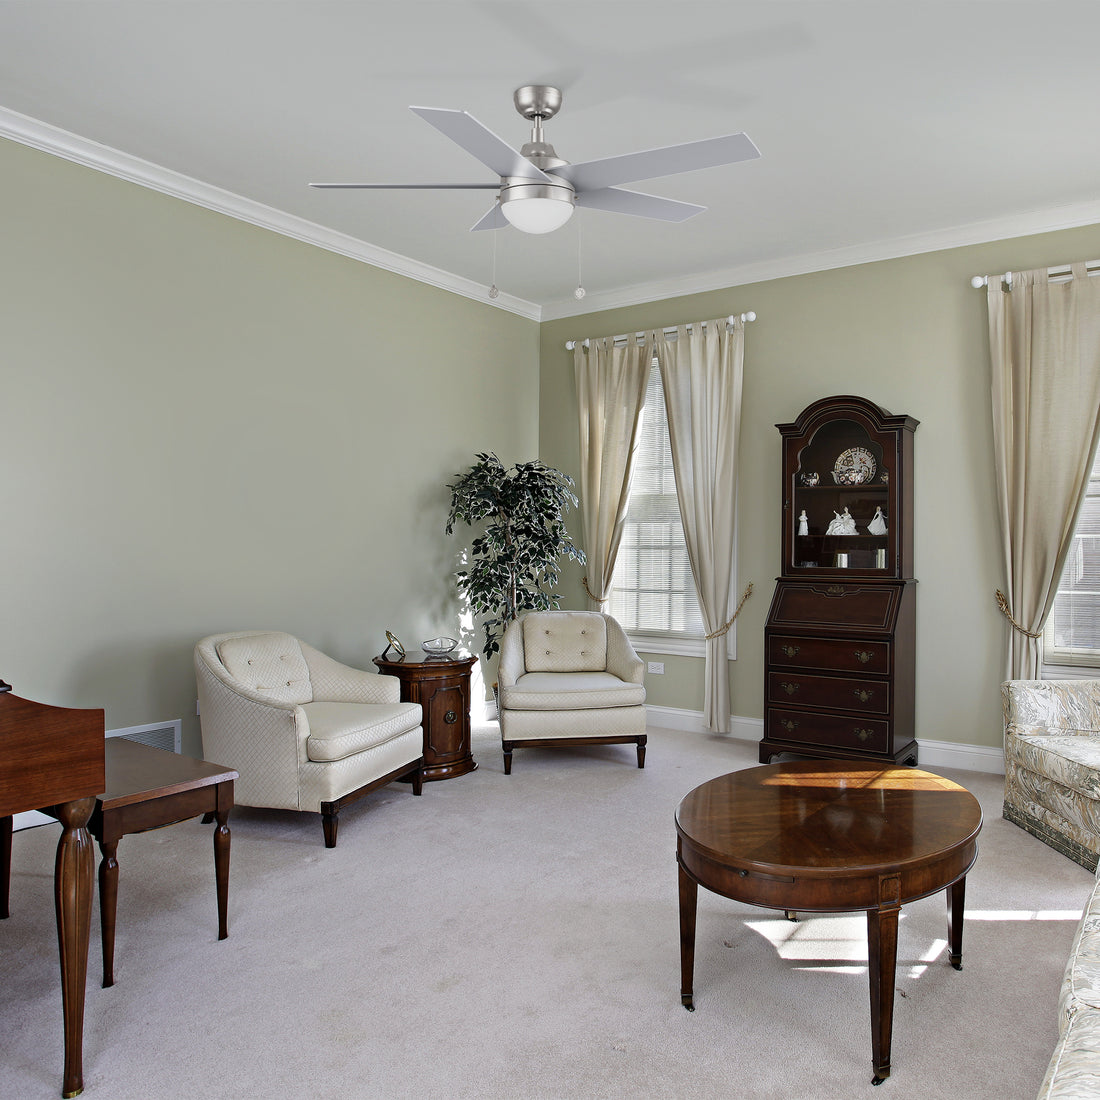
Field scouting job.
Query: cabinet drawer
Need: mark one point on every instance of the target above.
(830, 653)
(834, 692)
(832, 730)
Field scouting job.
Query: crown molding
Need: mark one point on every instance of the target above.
(91, 154)
(995, 229)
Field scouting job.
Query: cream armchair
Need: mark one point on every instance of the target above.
(304, 731)
(569, 678)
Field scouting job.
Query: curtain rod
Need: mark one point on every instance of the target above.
(1061, 274)
(671, 331)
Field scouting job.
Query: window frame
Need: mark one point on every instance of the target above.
(662, 642)
(1074, 662)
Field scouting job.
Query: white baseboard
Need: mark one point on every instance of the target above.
(930, 754)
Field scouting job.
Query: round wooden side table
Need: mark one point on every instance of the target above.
(442, 687)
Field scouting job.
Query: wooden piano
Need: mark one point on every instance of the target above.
(54, 757)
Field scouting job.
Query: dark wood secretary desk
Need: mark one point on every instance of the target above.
(840, 639)
(54, 757)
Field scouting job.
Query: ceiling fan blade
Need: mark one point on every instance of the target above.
(494, 219)
(593, 175)
(479, 141)
(620, 201)
(411, 186)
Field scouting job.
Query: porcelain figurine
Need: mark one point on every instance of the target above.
(803, 523)
(877, 526)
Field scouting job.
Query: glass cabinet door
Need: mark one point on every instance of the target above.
(840, 500)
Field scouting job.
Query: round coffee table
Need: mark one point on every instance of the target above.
(830, 836)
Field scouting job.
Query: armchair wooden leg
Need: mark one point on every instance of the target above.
(417, 777)
(641, 751)
(330, 822)
(507, 759)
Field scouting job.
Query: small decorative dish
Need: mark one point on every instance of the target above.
(854, 467)
(438, 647)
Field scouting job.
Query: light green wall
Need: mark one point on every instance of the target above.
(208, 426)
(910, 334)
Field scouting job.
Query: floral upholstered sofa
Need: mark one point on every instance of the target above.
(1074, 1070)
(1052, 789)
(1052, 763)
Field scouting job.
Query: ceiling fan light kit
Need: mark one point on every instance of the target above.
(539, 191)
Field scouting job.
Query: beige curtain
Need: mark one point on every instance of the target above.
(1045, 349)
(701, 371)
(611, 384)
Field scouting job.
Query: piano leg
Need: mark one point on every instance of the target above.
(73, 878)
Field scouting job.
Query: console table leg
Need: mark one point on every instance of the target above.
(221, 871)
(882, 959)
(689, 896)
(73, 875)
(108, 907)
(956, 895)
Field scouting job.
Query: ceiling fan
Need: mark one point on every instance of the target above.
(538, 190)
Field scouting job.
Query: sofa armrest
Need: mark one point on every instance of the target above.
(512, 665)
(334, 682)
(622, 659)
(1057, 707)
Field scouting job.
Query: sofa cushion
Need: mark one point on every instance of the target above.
(272, 663)
(570, 691)
(340, 730)
(1071, 761)
(564, 641)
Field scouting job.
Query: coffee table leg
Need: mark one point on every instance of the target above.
(882, 959)
(689, 896)
(221, 871)
(108, 907)
(956, 895)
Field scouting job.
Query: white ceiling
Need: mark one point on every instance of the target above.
(885, 127)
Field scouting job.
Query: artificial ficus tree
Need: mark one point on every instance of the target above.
(514, 565)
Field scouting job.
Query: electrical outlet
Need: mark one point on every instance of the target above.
(656, 667)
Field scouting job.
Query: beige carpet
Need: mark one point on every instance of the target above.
(516, 936)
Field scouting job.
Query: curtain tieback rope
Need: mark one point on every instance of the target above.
(1002, 603)
(592, 595)
(733, 617)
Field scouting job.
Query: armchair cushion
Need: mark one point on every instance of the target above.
(270, 663)
(339, 730)
(571, 691)
(564, 641)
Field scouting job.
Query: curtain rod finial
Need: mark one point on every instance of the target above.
(979, 281)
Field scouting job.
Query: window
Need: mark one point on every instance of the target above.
(1072, 633)
(653, 592)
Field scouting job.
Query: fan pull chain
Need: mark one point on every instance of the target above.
(493, 291)
(580, 291)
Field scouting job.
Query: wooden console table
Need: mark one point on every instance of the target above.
(52, 758)
(442, 687)
(147, 788)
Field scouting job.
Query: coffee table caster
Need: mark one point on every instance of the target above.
(686, 1001)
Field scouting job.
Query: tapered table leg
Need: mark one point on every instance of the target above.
(956, 895)
(689, 897)
(882, 959)
(73, 874)
(108, 907)
(5, 864)
(221, 870)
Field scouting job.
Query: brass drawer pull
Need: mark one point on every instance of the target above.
(789, 724)
(836, 590)
(789, 650)
(862, 734)
(450, 717)
(790, 689)
(863, 695)
(863, 655)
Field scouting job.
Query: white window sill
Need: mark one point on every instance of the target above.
(676, 647)
(1069, 672)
